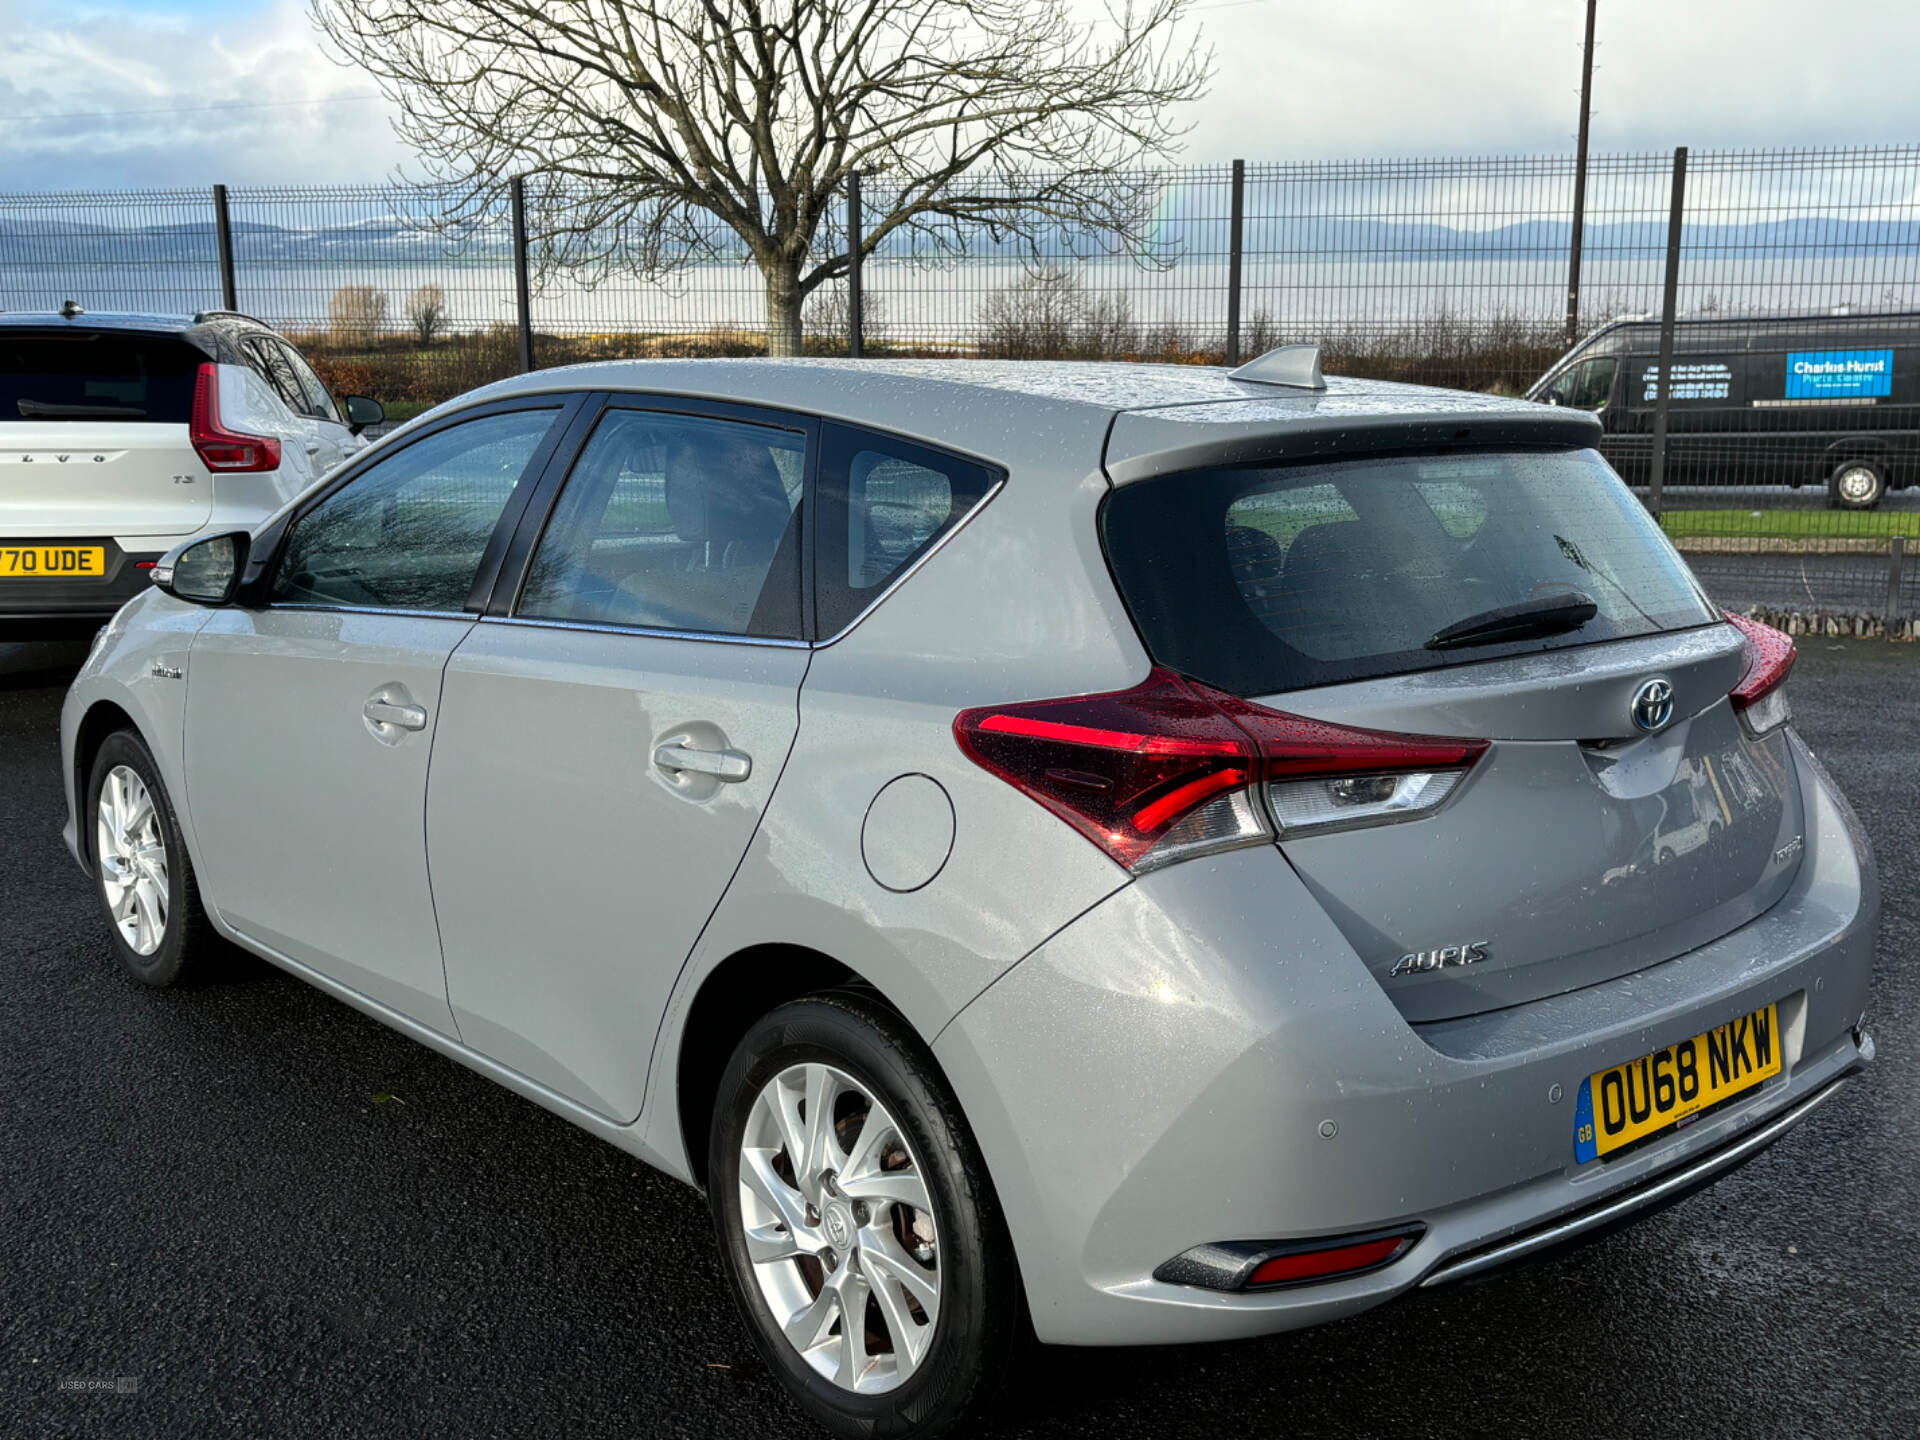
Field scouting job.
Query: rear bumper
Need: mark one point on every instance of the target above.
(33, 609)
(1203, 1058)
(1651, 1195)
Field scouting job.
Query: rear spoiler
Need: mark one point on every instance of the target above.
(1331, 424)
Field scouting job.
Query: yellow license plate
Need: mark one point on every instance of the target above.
(51, 562)
(1632, 1101)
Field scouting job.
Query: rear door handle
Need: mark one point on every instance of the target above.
(313, 447)
(727, 766)
(401, 717)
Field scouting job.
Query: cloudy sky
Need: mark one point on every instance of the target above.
(185, 92)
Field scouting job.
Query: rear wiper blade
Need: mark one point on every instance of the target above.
(50, 410)
(1548, 615)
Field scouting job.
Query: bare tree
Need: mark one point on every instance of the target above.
(829, 315)
(650, 129)
(427, 312)
(356, 314)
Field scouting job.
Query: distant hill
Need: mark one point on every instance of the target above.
(396, 238)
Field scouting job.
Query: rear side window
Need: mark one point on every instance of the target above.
(314, 398)
(1262, 580)
(883, 504)
(96, 375)
(676, 522)
(270, 361)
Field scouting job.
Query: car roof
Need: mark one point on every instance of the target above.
(94, 320)
(980, 406)
(147, 321)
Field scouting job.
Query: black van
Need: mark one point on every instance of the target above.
(1757, 400)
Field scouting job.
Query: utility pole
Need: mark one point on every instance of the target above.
(1580, 179)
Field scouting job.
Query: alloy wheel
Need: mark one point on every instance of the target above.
(839, 1227)
(133, 860)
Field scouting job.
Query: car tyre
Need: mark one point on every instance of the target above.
(141, 873)
(1856, 485)
(937, 1290)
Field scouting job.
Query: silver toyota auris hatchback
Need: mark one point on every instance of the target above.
(1121, 854)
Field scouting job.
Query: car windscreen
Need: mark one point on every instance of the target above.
(96, 375)
(1265, 579)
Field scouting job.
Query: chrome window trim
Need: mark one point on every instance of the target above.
(597, 627)
(370, 610)
(907, 574)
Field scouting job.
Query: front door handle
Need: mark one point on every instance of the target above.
(727, 766)
(401, 717)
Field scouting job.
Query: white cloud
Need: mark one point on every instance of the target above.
(1304, 79)
(96, 63)
(1297, 79)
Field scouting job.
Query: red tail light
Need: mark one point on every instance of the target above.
(1171, 767)
(1770, 657)
(219, 448)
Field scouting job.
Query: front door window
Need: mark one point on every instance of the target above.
(409, 532)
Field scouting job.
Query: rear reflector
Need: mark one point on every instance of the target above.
(219, 448)
(1236, 1265)
(1172, 768)
(1325, 1264)
(1770, 657)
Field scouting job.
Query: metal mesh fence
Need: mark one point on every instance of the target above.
(1792, 425)
(1057, 289)
(386, 294)
(139, 250)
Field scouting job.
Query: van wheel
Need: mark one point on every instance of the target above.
(1856, 485)
(856, 1222)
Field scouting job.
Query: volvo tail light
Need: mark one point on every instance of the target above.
(1761, 696)
(221, 449)
(1173, 768)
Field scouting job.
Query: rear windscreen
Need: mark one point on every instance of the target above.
(95, 375)
(1259, 580)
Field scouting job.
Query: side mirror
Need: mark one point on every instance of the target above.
(362, 412)
(206, 572)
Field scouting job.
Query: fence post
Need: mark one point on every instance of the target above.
(522, 291)
(223, 232)
(1580, 182)
(1663, 394)
(856, 301)
(1896, 559)
(1236, 244)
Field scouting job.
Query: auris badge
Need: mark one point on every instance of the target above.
(1653, 706)
(1445, 958)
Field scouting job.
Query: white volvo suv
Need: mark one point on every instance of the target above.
(123, 435)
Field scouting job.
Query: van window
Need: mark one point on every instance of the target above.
(1272, 578)
(97, 375)
(1586, 386)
